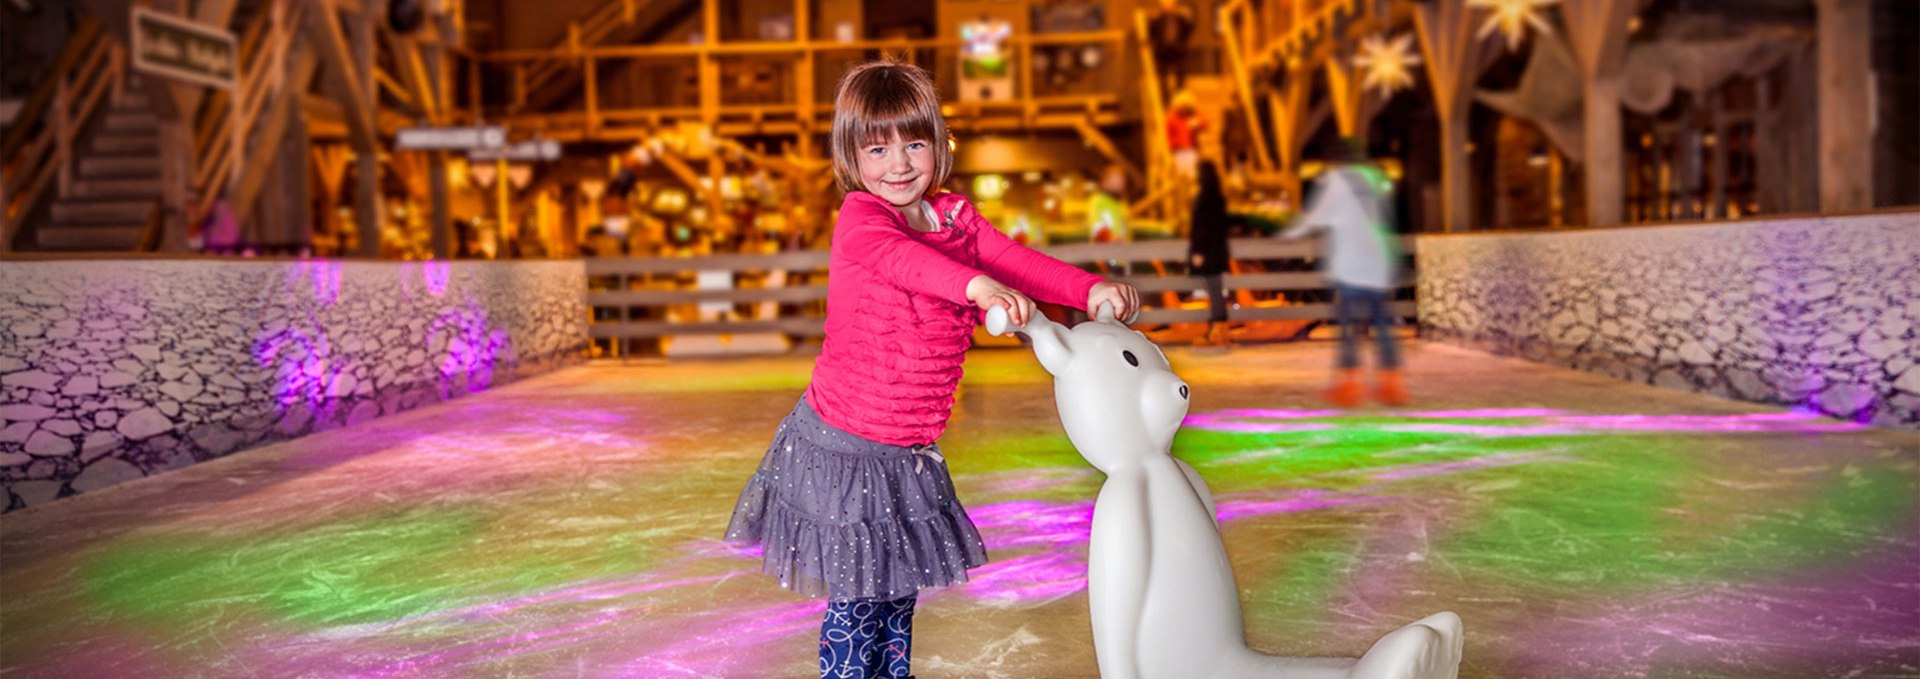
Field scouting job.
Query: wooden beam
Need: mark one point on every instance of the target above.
(1343, 88)
(1598, 36)
(1243, 85)
(686, 174)
(413, 74)
(402, 93)
(345, 81)
(278, 118)
(366, 141)
(1454, 59)
(1846, 104)
(1100, 141)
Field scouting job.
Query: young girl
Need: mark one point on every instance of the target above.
(853, 502)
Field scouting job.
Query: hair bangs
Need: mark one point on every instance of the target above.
(896, 113)
(875, 102)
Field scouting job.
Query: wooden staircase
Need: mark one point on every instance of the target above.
(549, 83)
(116, 184)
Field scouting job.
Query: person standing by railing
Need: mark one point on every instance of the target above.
(1362, 262)
(853, 501)
(1207, 252)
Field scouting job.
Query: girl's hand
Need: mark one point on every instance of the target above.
(988, 293)
(1124, 298)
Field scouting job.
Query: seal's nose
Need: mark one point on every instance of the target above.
(1183, 391)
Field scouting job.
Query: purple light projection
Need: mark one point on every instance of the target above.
(1479, 413)
(1529, 422)
(1481, 429)
(1029, 578)
(1795, 613)
(303, 375)
(1026, 523)
(1788, 422)
(471, 348)
(1040, 546)
(688, 648)
(323, 276)
(1303, 501)
(1237, 421)
(436, 274)
(1269, 414)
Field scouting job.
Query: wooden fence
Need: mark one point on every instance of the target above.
(638, 301)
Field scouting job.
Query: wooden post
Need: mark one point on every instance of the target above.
(709, 69)
(442, 222)
(503, 204)
(1243, 87)
(62, 134)
(1846, 105)
(1343, 87)
(1556, 180)
(1291, 115)
(1598, 37)
(1159, 156)
(591, 79)
(1452, 56)
(366, 199)
(803, 80)
(176, 176)
(1717, 195)
(437, 86)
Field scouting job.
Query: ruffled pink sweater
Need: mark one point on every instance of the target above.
(898, 320)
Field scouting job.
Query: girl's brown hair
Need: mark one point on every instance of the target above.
(877, 100)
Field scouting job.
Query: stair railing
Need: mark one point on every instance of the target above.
(1163, 199)
(39, 147)
(223, 142)
(1236, 23)
(582, 34)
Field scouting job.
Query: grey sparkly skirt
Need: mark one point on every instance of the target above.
(842, 517)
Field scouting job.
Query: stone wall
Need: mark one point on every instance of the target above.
(114, 370)
(1818, 313)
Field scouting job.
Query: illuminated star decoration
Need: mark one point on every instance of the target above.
(1511, 18)
(1388, 66)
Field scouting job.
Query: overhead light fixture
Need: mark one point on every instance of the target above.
(1512, 17)
(1387, 66)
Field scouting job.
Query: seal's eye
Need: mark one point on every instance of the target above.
(1135, 362)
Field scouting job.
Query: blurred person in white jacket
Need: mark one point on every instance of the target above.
(1362, 262)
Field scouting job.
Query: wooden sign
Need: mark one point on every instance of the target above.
(471, 138)
(174, 47)
(532, 150)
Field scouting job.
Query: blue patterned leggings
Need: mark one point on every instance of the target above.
(866, 639)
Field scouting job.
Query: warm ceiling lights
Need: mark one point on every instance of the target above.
(1511, 18)
(1386, 66)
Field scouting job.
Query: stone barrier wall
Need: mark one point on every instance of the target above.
(1818, 313)
(114, 370)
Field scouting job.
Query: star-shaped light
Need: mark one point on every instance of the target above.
(1387, 66)
(1511, 18)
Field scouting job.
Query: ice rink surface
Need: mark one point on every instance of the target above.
(568, 526)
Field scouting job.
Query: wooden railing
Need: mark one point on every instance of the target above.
(38, 149)
(221, 141)
(645, 299)
(1281, 30)
(1168, 195)
(1237, 24)
(689, 83)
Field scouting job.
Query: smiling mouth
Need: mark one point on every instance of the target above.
(902, 185)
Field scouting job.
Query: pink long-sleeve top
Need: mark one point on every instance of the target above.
(898, 320)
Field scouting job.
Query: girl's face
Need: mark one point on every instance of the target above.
(899, 170)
